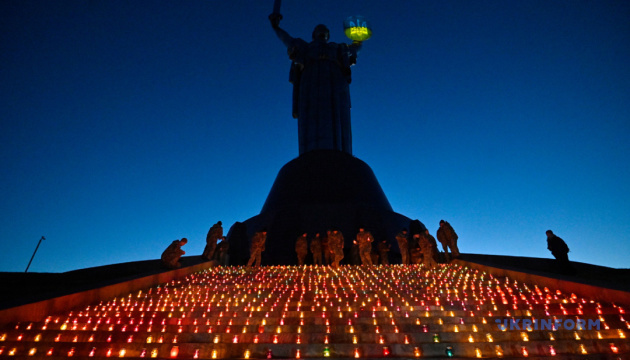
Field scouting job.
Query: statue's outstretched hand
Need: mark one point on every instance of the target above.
(275, 20)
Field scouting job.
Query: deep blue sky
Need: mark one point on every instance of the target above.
(128, 124)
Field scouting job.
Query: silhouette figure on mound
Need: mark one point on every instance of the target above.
(214, 234)
(448, 237)
(560, 251)
(172, 254)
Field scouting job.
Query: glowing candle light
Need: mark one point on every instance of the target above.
(449, 351)
(498, 350)
(478, 353)
(326, 351)
(614, 348)
(583, 349)
(436, 338)
(524, 351)
(174, 351)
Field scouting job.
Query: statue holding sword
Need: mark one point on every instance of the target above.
(320, 74)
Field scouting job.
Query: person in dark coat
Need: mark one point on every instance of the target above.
(557, 246)
(560, 251)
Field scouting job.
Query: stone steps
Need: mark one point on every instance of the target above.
(319, 312)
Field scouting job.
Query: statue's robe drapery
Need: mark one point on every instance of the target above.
(320, 75)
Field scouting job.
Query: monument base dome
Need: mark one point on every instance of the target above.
(319, 191)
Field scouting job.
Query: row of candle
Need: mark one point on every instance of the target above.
(407, 310)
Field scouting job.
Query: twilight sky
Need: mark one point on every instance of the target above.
(128, 124)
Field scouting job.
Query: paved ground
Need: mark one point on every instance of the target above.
(23, 288)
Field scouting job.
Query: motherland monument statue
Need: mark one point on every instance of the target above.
(321, 75)
(325, 187)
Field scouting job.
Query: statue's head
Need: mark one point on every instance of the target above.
(321, 32)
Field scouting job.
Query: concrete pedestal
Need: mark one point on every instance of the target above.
(316, 192)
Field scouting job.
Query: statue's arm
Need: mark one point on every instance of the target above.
(353, 51)
(280, 33)
(356, 46)
(283, 36)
